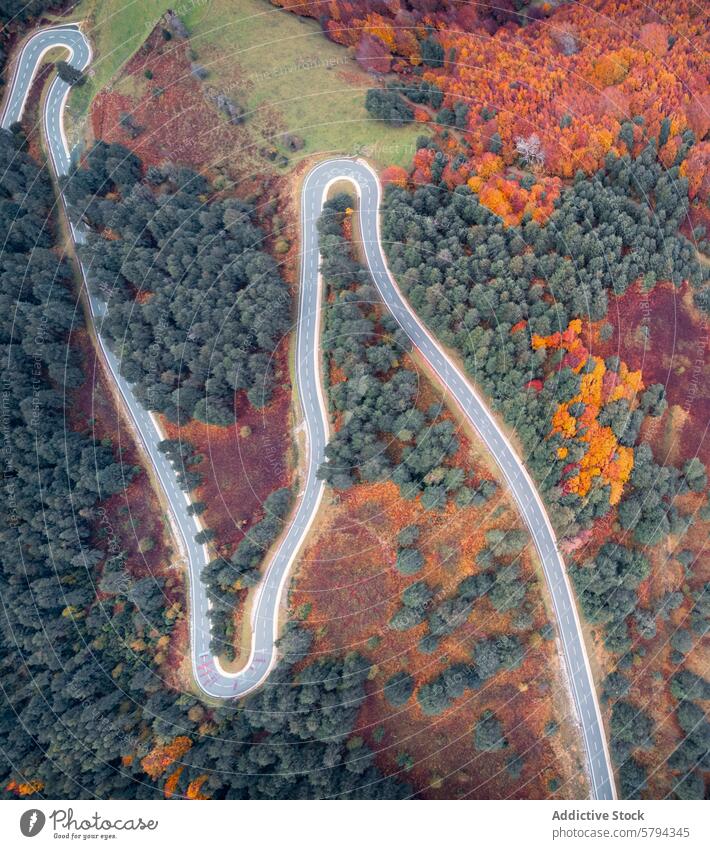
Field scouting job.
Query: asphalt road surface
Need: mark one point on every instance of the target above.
(209, 674)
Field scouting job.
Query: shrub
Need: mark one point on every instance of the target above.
(488, 735)
(409, 561)
(399, 688)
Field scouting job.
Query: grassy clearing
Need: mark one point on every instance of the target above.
(278, 66)
(117, 29)
(282, 66)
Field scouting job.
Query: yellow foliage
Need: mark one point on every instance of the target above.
(490, 165)
(27, 788)
(591, 388)
(611, 68)
(563, 422)
(495, 200)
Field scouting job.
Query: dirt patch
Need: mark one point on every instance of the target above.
(653, 665)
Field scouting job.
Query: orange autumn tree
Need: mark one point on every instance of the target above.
(603, 458)
(171, 783)
(382, 29)
(25, 788)
(508, 199)
(157, 761)
(612, 68)
(394, 175)
(194, 788)
(423, 160)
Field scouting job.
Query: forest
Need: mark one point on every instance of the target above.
(380, 433)
(22, 10)
(84, 712)
(384, 433)
(547, 82)
(195, 305)
(511, 301)
(567, 168)
(566, 177)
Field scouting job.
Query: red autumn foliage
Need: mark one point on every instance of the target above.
(698, 114)
(395, 175)
(599, 63)
(654, 37)
(373, 55)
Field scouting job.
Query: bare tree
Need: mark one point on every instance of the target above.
(530, 150)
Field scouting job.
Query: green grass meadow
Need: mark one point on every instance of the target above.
(280, 67)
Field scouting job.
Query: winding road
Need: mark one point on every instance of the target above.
(210, 676)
